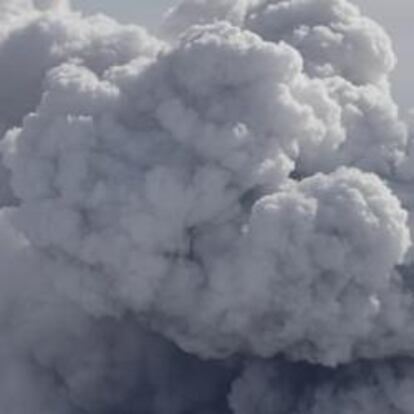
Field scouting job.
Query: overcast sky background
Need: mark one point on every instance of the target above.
(395, 15)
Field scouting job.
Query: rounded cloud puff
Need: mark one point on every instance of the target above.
(36, 42)
(331, 35)
(323, 251)
(147, 172)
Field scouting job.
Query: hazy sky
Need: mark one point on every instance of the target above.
(394, 15)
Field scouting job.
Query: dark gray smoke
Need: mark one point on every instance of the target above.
(215, 221)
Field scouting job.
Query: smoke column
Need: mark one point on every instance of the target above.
(214, 220)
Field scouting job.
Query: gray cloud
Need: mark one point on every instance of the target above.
(215, 222)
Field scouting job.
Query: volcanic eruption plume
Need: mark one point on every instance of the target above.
(214, 220)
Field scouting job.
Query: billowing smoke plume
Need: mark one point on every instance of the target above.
(219, 220)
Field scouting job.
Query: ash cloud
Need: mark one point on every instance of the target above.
(215, 220)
